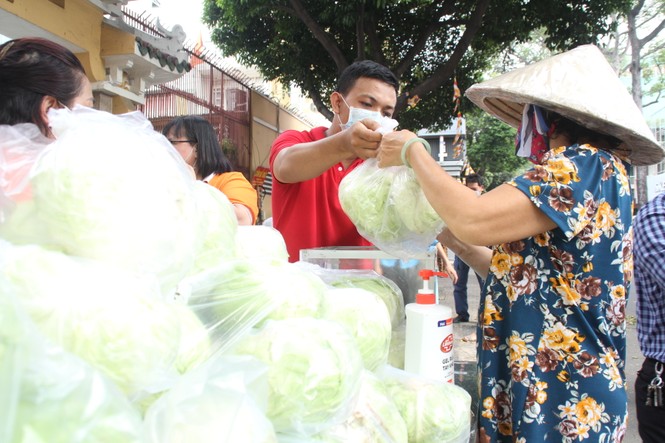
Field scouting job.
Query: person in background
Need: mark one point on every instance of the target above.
(37, 75)
(196, 141)
(308, 166)
(475, 183)
(405, 273)
(554, 245)
(649, 257)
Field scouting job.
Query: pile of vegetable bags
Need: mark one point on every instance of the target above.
(134, 309)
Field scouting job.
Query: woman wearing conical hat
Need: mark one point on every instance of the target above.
(555, 247)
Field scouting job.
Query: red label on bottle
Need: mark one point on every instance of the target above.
(447, 344)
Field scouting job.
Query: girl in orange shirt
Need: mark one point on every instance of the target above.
(196, 141)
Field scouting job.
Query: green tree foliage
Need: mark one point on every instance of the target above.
(491, 148)
(426, 43)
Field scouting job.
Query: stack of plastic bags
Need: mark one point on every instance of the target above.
(133, 308)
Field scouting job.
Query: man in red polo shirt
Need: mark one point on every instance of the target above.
(307, 166)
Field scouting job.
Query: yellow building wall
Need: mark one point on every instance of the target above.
(268, 121)
(79, 22)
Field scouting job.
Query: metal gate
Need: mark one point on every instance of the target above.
(206, 91)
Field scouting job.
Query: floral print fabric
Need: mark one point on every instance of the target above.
(552, 328)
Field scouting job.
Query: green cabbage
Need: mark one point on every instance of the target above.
(229, 299)
(366, 317)
(49, 395)
(375, 418)
(365, 197)
(397, 347)
(194, 345)
(221, 401)
(434, 412)
(314, 369)
(389, 208)
(296, 292)
(261, 243)
(217, 227)
(110, 188)
(114, 320)
(413, 208)
(385, 288)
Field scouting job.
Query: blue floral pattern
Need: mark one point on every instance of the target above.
(552, 331)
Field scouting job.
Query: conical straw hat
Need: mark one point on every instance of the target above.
(579, 85)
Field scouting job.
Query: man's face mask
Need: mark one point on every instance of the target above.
(358, 114)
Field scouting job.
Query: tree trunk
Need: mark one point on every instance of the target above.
(641, 172)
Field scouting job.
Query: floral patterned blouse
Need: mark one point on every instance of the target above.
(553, 337)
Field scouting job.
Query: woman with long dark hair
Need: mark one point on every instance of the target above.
(196, 141)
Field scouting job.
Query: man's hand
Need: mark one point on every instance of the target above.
(362, 140)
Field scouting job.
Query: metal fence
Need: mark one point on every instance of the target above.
(206, 91)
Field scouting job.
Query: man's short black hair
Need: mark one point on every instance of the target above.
(365, 68)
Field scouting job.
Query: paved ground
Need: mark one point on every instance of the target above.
(465, 348)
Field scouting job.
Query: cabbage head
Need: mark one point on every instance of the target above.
(365, 198)
(112, 189)
(262, 243)
(114, 320)
(385, 288)
(434, 412)
(229, 299)
(221, 401)
(50, 395)
(389, 208)
(295, 291)
(413, 208)
(194, 346)
(366, 317)
(314, 372)
(217, 227)
(375, 418)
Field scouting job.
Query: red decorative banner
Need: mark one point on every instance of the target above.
(260, 176)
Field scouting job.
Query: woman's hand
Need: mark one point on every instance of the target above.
(390, 149)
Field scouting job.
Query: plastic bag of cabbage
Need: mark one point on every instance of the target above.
(365, 316)
(389, 208)
(434, 411)
(314, 371)
(368, 280)
(49, 395)
(112, 189)
(375, 418)
(223, 400)
(115, 320)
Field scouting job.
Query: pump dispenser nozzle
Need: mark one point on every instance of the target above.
(426, 296)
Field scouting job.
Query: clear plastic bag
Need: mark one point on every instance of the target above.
(369, 280)
(109, 188)
(50, 395)
(314, 372)
(375, 417)
(114, 320)
(434, 411)
(366, 317)
(221, 401)
(389, 209)
(227, 301)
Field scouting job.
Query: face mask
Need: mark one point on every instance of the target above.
(358, 114)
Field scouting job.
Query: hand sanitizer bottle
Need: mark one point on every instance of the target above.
(429, 335)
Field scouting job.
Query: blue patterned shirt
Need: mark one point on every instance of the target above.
(649, 257)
